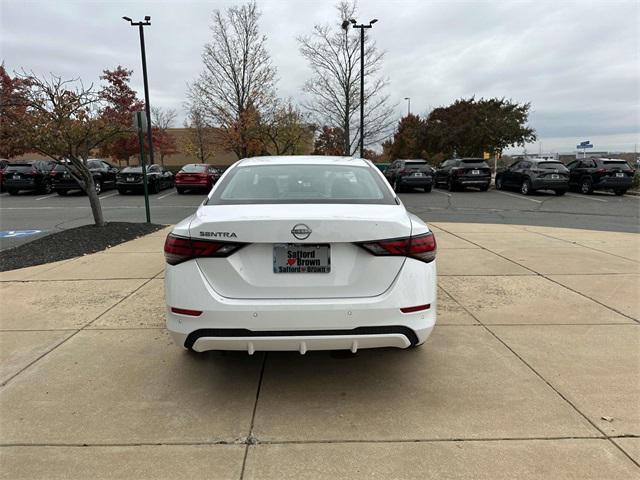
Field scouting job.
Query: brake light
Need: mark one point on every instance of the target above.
(458, 171)
(180, 249)
(601, 170)
(421, 247)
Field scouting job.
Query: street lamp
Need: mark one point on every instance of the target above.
(362, 27)
(147, 106)
(409, 105)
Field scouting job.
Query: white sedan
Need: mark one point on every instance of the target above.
(300, 253)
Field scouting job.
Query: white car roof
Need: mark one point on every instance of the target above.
(302, 159)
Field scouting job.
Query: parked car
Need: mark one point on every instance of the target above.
(3, 166)
(300, 253)
(458, 173)
(196, 176)
(31, 175)
(533, 174)
(104, 176)
(589, 174)
(130, 179)
(409, 174)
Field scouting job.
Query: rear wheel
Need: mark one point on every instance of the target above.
(180, 190)
(559, 193)
(484, 188)
(153, 187)
(525, 188)
(451, 185)
(620, 191)
(12, 191)
(499, 185)
(396, 186)
(428, 189)
(46, 187)
(122, 191)
(586, 186)
(63, 193)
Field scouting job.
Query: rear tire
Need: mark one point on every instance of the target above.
(180, 190)
(559, 193)
(428, 189)
(586, 186)
(122, 191)
(12, 191)
(63, 193)
(525, 188)
(451, 185)
(620, 191)
(499, 185)
(153, 187)
(396, 186)
(484, 188)
(46, 188)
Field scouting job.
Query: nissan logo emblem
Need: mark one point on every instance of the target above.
(301, 231)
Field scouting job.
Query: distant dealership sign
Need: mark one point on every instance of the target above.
(585, 144)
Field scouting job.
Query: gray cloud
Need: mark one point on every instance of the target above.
(576, 62)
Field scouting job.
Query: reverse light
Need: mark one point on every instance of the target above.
(180, 249)
(421, 247)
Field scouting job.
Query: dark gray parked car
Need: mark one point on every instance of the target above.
(533, 174)
(589, 174)
(458, 173)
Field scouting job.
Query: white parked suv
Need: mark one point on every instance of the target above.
(300, 253)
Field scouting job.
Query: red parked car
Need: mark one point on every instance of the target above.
(197, 176)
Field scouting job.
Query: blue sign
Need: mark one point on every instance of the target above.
(586, 142)
(18, 233)
(584, 145)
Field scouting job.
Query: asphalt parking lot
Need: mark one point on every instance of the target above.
(600, 211)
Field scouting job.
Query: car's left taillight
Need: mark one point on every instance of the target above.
(180, 249)
(421, 247)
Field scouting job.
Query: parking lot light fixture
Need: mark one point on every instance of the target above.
(362, 26)
(147, 105)
(408, 99)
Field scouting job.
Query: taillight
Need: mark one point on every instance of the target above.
(601, 170)
(421, 247)
(458, 171)
(180, 249)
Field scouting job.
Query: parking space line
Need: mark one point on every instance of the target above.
(166, 195)
(109, 196)
(586, 197)
(46, 196)
(522, 197)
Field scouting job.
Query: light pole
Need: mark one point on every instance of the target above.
(362, 26)
(147, 105)
(408, 99)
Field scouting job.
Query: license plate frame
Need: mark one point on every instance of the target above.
(131, 179)
(417, 174)
(17, 176)
(475, 172)
(619, 175)
(301, 258)
(555, 176)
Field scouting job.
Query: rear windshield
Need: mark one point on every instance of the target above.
(266, 184)
(551, 166)
(616, 164)
(194, 168)
(20, 167)
(415, 164)
(474, 162)
(133, 170)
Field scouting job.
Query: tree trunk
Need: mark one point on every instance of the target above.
(94, 201)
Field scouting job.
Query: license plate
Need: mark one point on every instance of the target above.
(131, 179)
(417, 174)
(16, 177)
(301, 258)
(475, 172)
(65, 175)
(620, 174)
(555, 177)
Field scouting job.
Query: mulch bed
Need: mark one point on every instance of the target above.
(74, 242)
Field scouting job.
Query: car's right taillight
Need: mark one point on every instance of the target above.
(421, 247)
(180, 249)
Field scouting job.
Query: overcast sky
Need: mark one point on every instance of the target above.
(578, 63)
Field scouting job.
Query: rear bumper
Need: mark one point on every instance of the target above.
(415, 181)
(301, 324)
(193, 185)
(550, 184)
(473, 181)
(21, 184)
(65, 185)
(614, 183)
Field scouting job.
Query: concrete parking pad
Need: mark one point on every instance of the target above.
(59, 305)
(597, 367)
(28, 273)
(144, 308)
(450, 312)
(494, 460)
(476, 261)
(621, 292)
(631, 446)
(19, 349)
(461, 384)
(129, 386)
(447, 240)
(146, 244)
(525, 299)
(141, 462)
(108, 266)
(496, 241)
(570, 260)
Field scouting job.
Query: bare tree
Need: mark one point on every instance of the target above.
(199, 140)
(238, 76)
(163, 118)
(286, 130)
(334, 57)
